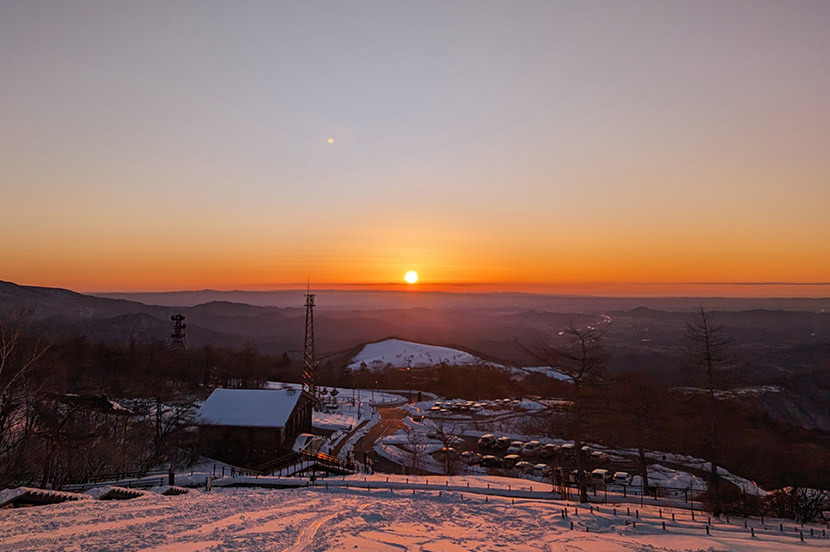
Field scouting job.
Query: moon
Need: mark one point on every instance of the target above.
(330, 140)
(411, 277)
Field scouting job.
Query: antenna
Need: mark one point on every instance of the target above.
(178, 335)
(309, 360)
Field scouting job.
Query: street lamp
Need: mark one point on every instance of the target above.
(409, 380)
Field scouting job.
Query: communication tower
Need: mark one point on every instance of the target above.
(309, 360)
(178, 335)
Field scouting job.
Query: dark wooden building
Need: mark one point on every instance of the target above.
(248, 427)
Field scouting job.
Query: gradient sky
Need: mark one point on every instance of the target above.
(170, 145)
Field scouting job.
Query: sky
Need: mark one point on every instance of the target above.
(507, 145)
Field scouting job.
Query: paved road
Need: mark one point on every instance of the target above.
(391, 420)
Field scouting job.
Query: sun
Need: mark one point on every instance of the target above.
(411, 277)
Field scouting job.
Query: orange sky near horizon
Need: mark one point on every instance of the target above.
(630, 149)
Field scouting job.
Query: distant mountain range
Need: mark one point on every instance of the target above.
(504, 301)
(783, 342)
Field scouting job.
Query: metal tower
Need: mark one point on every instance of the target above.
(178, 335)
(309, 361)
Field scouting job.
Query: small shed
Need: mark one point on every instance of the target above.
(248, 427)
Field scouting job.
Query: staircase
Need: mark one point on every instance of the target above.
(296, 462)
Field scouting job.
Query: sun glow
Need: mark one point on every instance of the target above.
(411, 277)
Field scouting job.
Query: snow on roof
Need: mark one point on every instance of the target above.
(401, 354)
(248, 407)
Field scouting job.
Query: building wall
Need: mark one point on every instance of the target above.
(242, 446)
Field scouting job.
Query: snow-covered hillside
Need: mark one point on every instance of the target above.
(400, 354)
(432, 520)
(397, 353)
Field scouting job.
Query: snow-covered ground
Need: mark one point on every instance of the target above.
(397, 353)
(402, 354)
(549, 372)
(341, 519)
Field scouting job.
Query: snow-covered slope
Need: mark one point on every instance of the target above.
(400, 354)
(378, 520)
(397, 353)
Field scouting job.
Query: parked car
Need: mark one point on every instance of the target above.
(515, 447)
(601, 476)
(622, 478)
(531, 449)
(308, 442)
(599, 456)
(417, 418)
(510, 461)
(451, 451)
(523, 467)
(541, 470)
(471, 457)
(568, 450)
(502, 443)
(549, 451)
(488, 440)
(490, 461)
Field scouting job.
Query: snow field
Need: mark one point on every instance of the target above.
(434, 520)
(401, 354)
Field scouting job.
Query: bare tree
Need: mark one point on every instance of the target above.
(707, 349)
(583, 359)
(416, 446)
(448, 434)
(19, 357)
(637, 414)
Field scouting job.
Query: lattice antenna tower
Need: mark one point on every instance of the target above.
(309, 360)
(177, 338)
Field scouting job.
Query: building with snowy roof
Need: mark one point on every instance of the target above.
(248, 427)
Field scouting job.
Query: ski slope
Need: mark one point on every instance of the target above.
(402, 354)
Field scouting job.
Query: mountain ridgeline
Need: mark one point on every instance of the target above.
(780, 346)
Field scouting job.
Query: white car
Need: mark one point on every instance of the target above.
(622, 478)
(601, 476)
(515, 447)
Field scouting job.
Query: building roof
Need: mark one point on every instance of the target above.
(249, 407)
